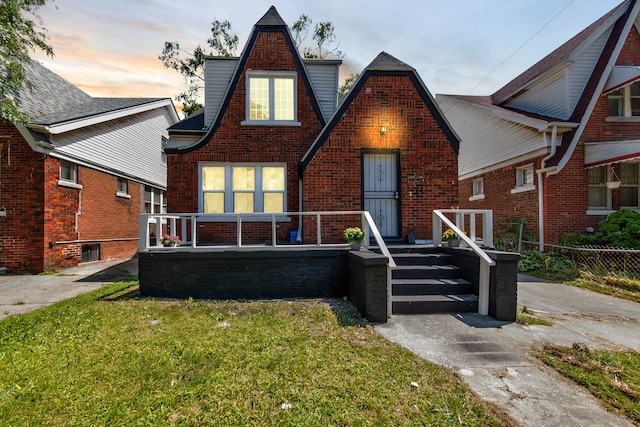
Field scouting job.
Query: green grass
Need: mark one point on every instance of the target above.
(112, 358)
(612, 376)
(528, 317)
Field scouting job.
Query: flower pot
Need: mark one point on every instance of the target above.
(613, 184)
(355, 246)
(453, 243)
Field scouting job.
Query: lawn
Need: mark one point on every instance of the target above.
(612, 376)
(113, 358)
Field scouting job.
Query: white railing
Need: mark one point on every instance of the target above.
(470, 239)
(186, 224)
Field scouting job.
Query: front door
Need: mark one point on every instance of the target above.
(380, 190)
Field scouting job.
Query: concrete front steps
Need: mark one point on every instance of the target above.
(425, 281)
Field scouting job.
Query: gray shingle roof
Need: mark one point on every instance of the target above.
(52, 99)
(386, 62)
(271, 19)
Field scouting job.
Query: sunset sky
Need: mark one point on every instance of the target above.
(472, 47)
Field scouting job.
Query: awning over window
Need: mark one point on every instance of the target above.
(621, 76)
(606, 153)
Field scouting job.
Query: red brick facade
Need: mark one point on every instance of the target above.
(332, 180)
(566, 193)
(40, 212)
(428, 163)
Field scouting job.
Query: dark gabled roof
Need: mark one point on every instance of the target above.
(48, 92)
(94, 107)
(487, 102)
(554, 58)
(192, 123)
(52, 99)
(383, 65)
(270, 22)
(271, 19)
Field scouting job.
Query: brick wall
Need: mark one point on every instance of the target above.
(39, 211)
(21, 195)
(236, 143)
(428, 162)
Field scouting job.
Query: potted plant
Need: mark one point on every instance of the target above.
(170, 241)
(354, 236)
(451, 237)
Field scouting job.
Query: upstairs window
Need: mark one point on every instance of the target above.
(625, 102)
(271, 98)
(241, 188)
(68, 171)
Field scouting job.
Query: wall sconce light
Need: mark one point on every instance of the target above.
(383, 130)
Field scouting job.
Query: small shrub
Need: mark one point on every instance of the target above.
(534, 260)
(621, 229)
(574, 239)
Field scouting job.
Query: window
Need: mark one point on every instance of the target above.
(629, 185)
(154, 200)
(524, 177)
(90, 253)
(242, 188)
(625, 102)
(598, 196)
(478, 187)
(68, 171)
(271, 97)
(123, 188)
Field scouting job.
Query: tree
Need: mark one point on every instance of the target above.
(224, 43)
(21, 31)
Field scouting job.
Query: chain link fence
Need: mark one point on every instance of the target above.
(594, 259)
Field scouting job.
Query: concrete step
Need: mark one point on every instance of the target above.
(416, 304)
(419, 258)
(425, 272)
(431, 286)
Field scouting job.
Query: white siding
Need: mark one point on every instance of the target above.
(557, 94)
(131, 145)
(324, 79)
(486, 140)
(217, 77)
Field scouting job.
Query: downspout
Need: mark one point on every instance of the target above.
(299, 235)
(544, 169)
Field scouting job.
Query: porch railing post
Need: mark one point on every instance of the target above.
(194, 227)
(367, 231)
(273, 230)
(319, 228)
(239, 219)
(487, 232)
(143, 233)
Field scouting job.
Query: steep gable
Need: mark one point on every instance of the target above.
(270, 48)
(383, 65)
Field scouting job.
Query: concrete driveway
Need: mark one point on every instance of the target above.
(21, 293)
(494, 358)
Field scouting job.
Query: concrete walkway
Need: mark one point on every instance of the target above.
(494, 358)
(21, 293)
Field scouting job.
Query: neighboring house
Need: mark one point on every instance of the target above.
(74, 180)
(544, 146)
(272, 138)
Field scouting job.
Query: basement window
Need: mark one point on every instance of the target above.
(90, 253)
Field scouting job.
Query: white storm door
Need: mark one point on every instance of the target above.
(380, 188)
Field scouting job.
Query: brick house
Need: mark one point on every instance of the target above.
(546, 145)
(74, 180)
(273, 138)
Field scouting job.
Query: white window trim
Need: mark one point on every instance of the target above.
(228, 194)
(271, 75)
(123, 195)
(476, 197)
(523, 187)
(69, 184)
(626, 106)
